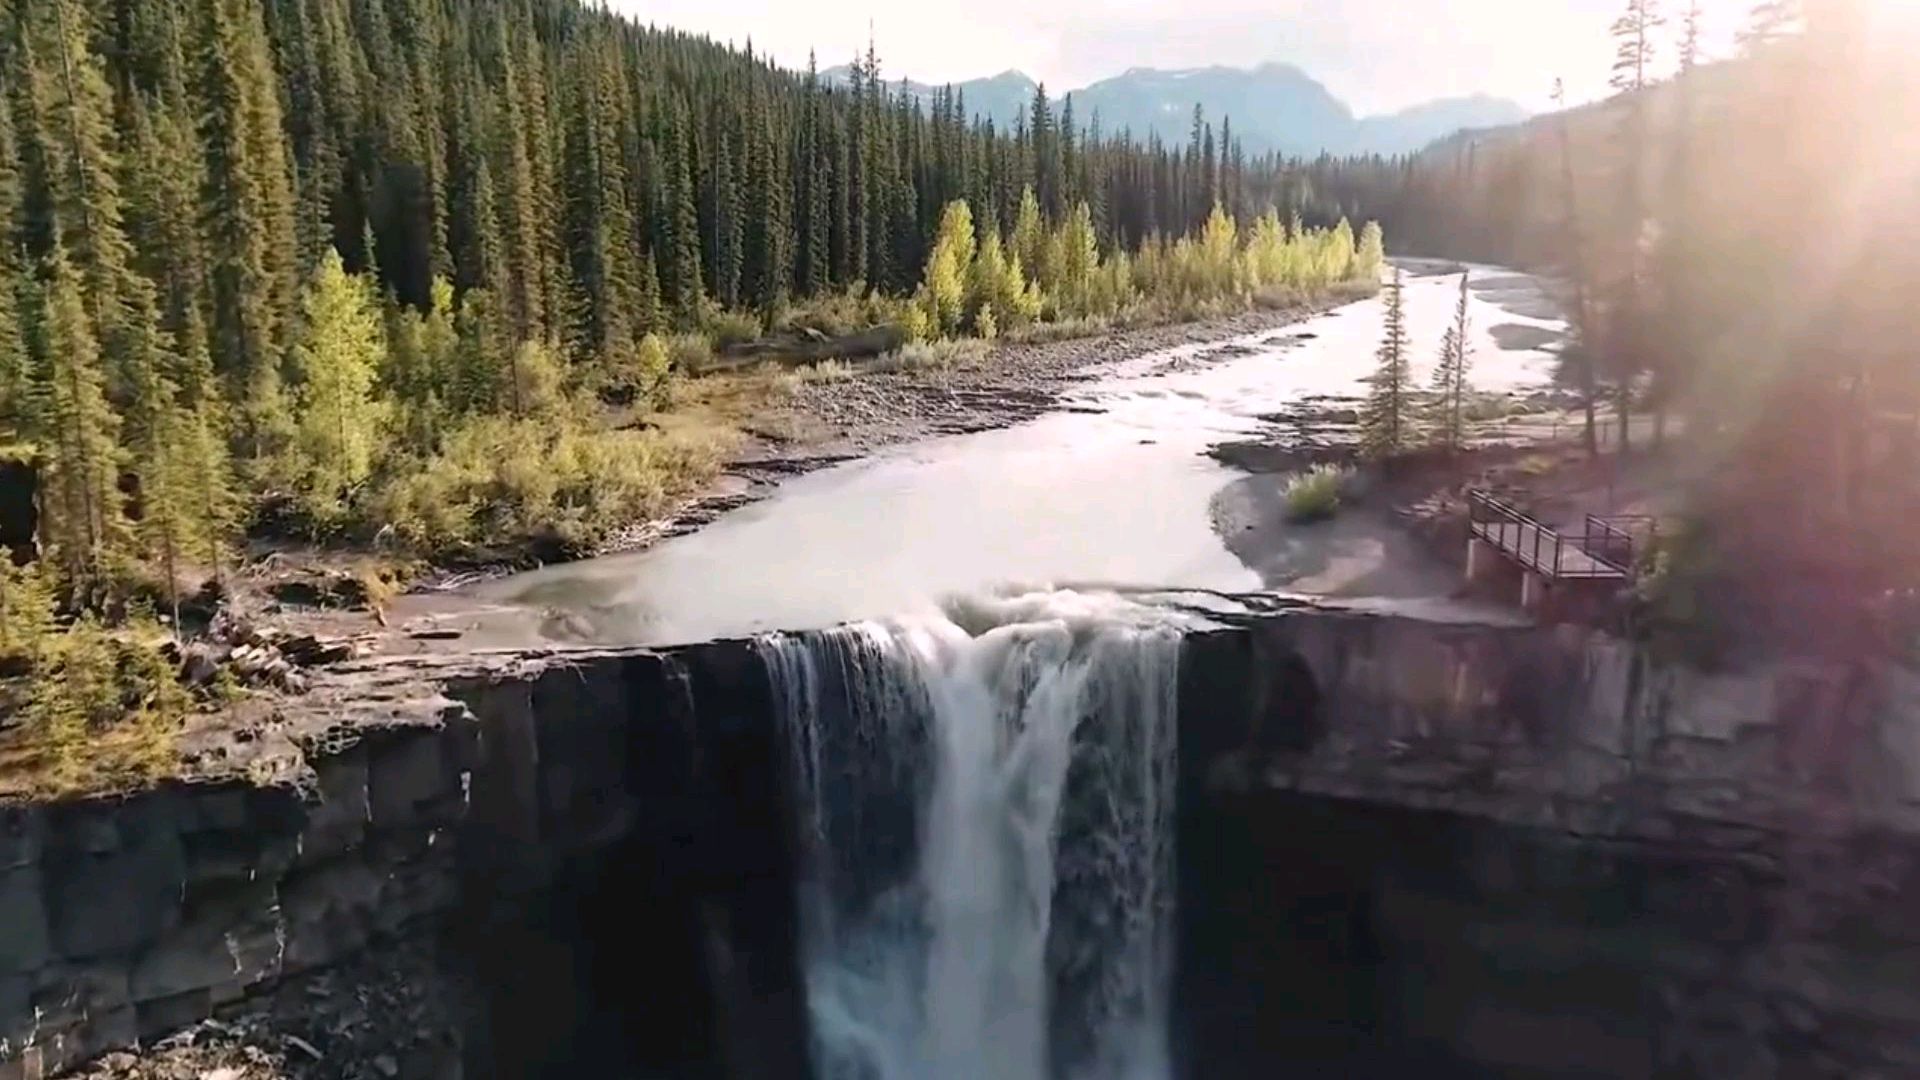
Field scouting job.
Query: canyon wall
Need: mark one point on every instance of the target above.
(1539, 851)
(1401, 843)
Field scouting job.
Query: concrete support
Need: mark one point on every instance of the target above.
(1533, 591)
(1480, 556)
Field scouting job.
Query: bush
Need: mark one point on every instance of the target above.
(1678, 601)
(726, 328)
(104, 706)
(506, 480)
(637, 374)
(1314, 495)
(689, 353)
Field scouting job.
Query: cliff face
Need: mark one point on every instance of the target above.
(606, 877)
(1536, 850)
(1400, 841)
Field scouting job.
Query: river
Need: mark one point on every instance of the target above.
(1110, 490)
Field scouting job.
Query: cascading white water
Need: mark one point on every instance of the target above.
(987, 889)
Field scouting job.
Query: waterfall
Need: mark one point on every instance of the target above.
(987, 801)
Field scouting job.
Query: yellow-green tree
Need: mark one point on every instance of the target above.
(997, 291)
(949, 267)
(1072, 258)
(1029, 239)
(1372, 253)
(337, 358)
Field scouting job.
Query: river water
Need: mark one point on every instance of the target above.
(1111, 490)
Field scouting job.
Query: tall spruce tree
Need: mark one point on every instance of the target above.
(1386, 421)
(1450, 375)
(248, 217)
(83, 524)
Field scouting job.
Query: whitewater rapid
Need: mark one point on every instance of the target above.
(987, 799)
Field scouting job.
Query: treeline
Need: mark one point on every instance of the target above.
(358, 263)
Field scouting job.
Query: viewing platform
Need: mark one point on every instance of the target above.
(1601, 558)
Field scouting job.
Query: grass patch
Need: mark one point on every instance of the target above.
(1044, 333)
(934, 356)
(827, 371)
(1315, 495)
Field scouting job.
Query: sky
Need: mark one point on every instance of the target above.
(1377, 55)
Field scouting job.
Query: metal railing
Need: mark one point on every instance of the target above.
(1618, 540)
(1535, 546)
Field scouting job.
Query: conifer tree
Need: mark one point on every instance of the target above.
(1385, 421)
(682, 284)
(83, 523)
(1633, 34)
(1072, 259)
(252, 245)
(768, 228)
(726, 221)
(1450, 375)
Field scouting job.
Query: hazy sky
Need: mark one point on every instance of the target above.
(1378, 55)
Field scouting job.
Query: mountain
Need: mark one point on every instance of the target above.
(1001, 98)
(1273, 107)
(1410, 130)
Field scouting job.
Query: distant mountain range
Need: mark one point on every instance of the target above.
(1273, 107)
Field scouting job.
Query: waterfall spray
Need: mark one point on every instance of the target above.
(987, 828)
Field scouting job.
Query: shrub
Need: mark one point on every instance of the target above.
(726, 328)
(1314, 495)
(506, 480)
(637, 374)
(689, 353)
(1678, 604)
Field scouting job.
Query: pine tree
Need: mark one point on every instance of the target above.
(1577, 357)
(1450, 375)
(337, 360)
(1072, 259)
(252, 244)
(727, 215)
(1771, 22)
(1385, 427)
(682, 249)
(767, 264)
(1633, 33)
(83, 524)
